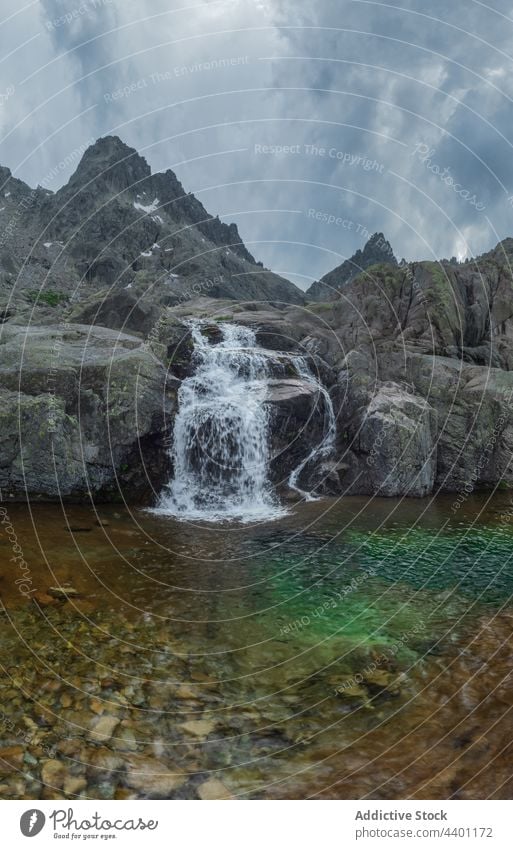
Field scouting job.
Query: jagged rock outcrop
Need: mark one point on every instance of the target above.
(375, 251)
(393, 445)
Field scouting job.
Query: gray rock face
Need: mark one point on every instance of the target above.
(84, 412)
(474, 435)
(100, 403)
(395, 437)
(297, 425)
(411, 358)
(119, 310)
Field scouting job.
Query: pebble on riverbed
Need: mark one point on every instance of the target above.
(102, 728)
(381, 680)
(53, 774)
(151, 777)
(11, 759)
(200, 728)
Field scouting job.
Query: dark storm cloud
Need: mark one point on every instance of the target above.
(401, 100)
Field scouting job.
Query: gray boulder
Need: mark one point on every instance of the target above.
(85, 412)
(393, 447)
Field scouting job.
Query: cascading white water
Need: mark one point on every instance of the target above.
(221, 440)
(327, 444)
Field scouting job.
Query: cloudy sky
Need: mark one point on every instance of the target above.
(311, 123)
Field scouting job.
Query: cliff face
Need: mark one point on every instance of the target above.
(424, 385)
(417, 360)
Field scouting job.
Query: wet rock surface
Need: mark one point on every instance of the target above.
(85, 411)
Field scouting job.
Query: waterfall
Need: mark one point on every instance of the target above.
(221, 435)
(221, 442)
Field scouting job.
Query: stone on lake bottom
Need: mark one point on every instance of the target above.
(199, 727)
(63, 592)
(213, 789)
(11, 760)
(73, 785)
(53, 774)
(102, 728)
(151, 776)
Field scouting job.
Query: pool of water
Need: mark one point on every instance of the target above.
(354, 648)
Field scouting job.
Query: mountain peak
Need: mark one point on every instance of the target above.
(377, 242)
(111, 161)
(377, 249)
(116, 224)
(111, 148)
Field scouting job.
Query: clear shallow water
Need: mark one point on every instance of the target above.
(350, 649)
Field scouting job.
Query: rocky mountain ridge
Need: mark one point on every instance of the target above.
(116, 226)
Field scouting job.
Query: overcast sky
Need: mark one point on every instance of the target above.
(398, 116)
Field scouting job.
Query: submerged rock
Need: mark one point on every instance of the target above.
(74, 785)
(53, 773)
(213, 789)
(380, 679)
(152, 777)
(102, 728)
(11, 759)
(200, 728)
(63, 592)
